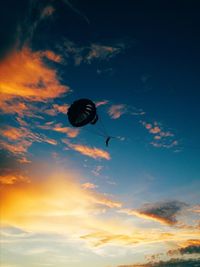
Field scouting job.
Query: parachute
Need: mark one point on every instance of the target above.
(83, 112)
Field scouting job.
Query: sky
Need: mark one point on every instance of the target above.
(66, 198)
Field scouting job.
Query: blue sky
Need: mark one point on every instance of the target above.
(68, 200)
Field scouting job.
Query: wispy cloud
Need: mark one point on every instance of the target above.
(18, 140)
(89, 186)
(58, 127)
(76, 10)
(90, 53)
(96, 171)
(101, 103)
(70, 132)
(160, 137)
(92, 152)
(116, 111)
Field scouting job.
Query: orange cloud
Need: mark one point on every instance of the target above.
(93, 152)
(19, 148)
(115, 111)
(89, 186)
(12, 178)
(20, 139)
(71, 132)
(155, 130)
(52, 56)
(161, 138)
(24, 75)
(13, 133)
(61, 108)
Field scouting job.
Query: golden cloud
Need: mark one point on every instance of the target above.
(12, 178)
(71, 132)
(20, 139)
(24, 75)
(92, 152)
(89, 186)
(61, 108)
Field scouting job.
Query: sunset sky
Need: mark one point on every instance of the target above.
(66, 199)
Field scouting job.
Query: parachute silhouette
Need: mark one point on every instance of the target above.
(83, 112)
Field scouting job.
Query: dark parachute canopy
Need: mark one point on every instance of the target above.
(82, 112)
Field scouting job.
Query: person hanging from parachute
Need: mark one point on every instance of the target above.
(83, 112)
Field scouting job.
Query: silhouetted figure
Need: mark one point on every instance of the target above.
(107, 140)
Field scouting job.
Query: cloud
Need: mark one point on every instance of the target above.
(36, 13)
(90, 53)
(161, 138)
(71, 132)
(10, 178)
(196, 209)
(97, 170)
(103, 52)
(26, 81)
(58, 127)
(101, 103)
(76, 10)
(47, 11)
(163, 212)
(18, 149)
(169, 263)
(92, 152)
(24, 75)
(191, 246)
(18, 140)
(89, 186)
(116, 111)
(61, 108)
(52, 56)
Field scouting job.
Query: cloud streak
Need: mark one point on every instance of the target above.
(18, 140)
(116, 111)
(163, 212)
(89, 54)
(92, 152)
